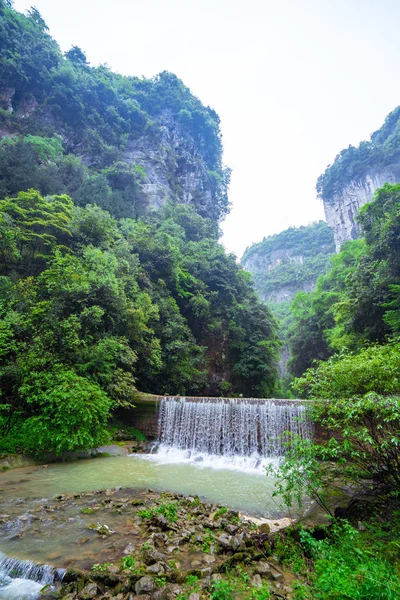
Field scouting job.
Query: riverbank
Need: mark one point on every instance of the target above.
(124, 544)
(152, 545)
(18, 461)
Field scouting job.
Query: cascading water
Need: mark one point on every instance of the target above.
(23, 580)
(228, 433)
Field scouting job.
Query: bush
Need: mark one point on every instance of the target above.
(346, 566)
(373, 369)
(72, 412)
(364, 450)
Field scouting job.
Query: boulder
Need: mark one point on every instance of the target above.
(256, 581)
(157, 569)
(264, 569)
(238, 543)
(89, 591)
(264, 528)
(225, 541)
(145, 585)
(168, 592)
(150, 555)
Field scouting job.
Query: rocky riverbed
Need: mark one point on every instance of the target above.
(127, 544)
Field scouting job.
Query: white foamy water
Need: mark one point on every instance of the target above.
(227, 433)
(252, 465)
(23, 580)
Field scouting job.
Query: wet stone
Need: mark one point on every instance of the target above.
(145, 584)
(209, 559)
(238, 543)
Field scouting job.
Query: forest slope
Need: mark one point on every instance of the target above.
(109, 283)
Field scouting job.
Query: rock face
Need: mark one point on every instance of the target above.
(172, 167)
(286, 293)
(267, 262)
(341, 211)
(289, 262)
(285, 264)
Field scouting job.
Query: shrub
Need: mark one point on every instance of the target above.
(373, 369)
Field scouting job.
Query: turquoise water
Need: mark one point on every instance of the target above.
(248, 492)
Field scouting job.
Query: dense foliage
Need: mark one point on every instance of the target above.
(96, 113)
(285, 263)
(353, 164)
(356, 302)
(351, 470)
(339, 561)
(101, 293)
(92, 308)
(303, 241)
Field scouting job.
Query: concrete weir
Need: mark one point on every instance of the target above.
(146, 415)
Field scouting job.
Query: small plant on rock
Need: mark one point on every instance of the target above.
(128, 562)
(221, 590)
(146, 513)
(160, 581)
(221, 511)
(101, 567)
(169, 511)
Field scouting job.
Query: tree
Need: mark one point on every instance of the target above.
(76, 56)
(32, 228)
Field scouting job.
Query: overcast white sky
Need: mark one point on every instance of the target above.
(294, 81)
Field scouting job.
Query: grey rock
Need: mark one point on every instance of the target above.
(225, 541)
(150, 555)
(145, 584)
(157, 568)
(232, 529)
(341, 210)
(89, 591)
(238, 543)
(159, 539)
(256, 581)
(276, 575)
(264, 569)
(168, 592)
(209, 559)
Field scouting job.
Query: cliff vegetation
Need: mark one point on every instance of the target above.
(356, 302)
(285, 263)
(107, 287)
(355, 163)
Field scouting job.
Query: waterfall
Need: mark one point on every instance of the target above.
(244, 434)
(23, 579)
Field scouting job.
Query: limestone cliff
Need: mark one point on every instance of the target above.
(341, 211)
(355, 175)
(289, 262)
(172, 167)
(151, 139)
